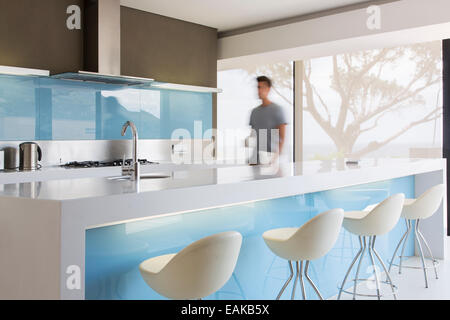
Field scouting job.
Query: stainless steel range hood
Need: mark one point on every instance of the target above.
(97, 77)
(108, 37)
(101, 27)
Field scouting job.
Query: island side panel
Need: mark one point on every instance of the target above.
(434, 228)
(73, 247)
(29, 248)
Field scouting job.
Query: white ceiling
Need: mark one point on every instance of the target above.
(227, 15)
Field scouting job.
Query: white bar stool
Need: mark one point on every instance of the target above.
(309, 242)
(197, 271)
(415, 210)
(378, 221)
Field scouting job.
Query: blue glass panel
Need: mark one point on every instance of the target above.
(113, 253)
(151, 115)
(18, 108)
(182, 109)
(117, 107)
(42, 108)
(70, 111)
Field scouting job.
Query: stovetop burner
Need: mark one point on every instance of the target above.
(94, 164)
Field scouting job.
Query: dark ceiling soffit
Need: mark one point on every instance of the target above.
(304, 17)
(167, 17)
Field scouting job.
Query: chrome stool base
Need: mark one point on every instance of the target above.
(394, 287)
(418, 237)
(360, 255)
(299, 275)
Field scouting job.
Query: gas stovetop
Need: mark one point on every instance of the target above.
(94, 164)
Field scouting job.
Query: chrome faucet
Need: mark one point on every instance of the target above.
(134, 169)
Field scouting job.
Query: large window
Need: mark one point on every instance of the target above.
(376, 103)
(366, 104)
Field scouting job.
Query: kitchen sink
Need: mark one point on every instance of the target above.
(143, 176)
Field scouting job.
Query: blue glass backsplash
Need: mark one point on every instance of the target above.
(42, 108)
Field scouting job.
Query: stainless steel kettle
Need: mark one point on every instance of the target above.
(29, 155)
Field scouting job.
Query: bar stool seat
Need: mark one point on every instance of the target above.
(156, 264)
(356, 214)
(197, 271)
(371, 223)
(279, 235)
(309, 242)
(407, 202)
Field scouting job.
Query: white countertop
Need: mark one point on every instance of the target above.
(59, 172)
(326, 175)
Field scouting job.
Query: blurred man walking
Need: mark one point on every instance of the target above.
(269, 126)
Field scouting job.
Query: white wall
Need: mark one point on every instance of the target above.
(402, 22)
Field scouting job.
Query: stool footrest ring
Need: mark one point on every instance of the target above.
(434, 262)
(370, 295)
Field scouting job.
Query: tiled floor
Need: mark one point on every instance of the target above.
(411, 283)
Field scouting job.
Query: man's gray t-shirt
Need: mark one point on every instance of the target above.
(265, 118)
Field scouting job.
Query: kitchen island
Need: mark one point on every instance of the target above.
(84, 238)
